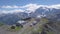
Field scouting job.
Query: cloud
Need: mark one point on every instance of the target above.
(6, 7)
(28, 8)
(32, 6)
(57, 6)
(10, 6)
(12, 11)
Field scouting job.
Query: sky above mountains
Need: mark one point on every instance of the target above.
(24, 2)
(7, 6)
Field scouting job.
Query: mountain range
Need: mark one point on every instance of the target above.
(12, 18)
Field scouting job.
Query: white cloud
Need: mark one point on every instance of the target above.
(31, 6)
(28, 8)
(6, 7)
(12, 11)
(55, 6)
(10, 6)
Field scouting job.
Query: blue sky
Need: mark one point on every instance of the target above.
(24, 2)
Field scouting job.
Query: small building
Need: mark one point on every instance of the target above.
(20, 23)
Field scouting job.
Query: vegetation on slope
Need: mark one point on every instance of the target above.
(1, 24)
